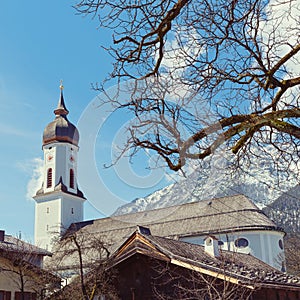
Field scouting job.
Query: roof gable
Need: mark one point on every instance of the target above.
(230, 266)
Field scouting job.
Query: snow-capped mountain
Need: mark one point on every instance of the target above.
(259, 183)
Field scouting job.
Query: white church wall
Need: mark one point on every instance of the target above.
(49, 162)
(71, 156)
(47, 216)
(60, 166)
(263, 244)
(72, 211)
(54, 216)
(61, 157)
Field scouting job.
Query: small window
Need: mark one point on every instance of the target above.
(72, 210)
(48, 210)
(241, 243)
(280, 243)
(25, 296)
(49, 178)
(47, 227)
(5, 295)
(71, 179)
(220, 243)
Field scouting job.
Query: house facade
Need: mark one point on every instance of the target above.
(21, 274)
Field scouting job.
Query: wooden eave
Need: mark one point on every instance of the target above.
(279, 286)
(138, 244)
(209, 272)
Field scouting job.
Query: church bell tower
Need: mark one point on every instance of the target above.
(59, 202)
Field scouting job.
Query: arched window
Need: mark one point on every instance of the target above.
(71, 179)
(49, 178)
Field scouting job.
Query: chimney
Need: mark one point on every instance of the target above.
(2, 234)
(211, 246)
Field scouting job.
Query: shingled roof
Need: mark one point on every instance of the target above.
(244, 268)
(13, 244)
(227, 214)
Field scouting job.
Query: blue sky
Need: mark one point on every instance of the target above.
(43, 42)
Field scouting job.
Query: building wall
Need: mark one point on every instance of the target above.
(276, 294)
(54, 213)
(10, 281)
(47, 221)
(55, 210)
(263, 244)
(61, 157)
(71, 211)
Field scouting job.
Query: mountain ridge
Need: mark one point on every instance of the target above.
(280, 203)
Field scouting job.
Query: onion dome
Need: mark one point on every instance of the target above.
(61, 129)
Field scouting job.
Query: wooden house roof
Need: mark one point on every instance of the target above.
(235, 267)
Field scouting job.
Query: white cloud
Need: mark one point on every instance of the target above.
(34, 167)
(182, 43)
(283, 26)
(179, 49)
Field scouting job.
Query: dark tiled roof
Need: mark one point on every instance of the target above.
(244, 267)
(234, 213)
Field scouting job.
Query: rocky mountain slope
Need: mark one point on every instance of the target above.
(285, 210)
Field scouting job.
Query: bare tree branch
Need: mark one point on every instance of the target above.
(236, 58)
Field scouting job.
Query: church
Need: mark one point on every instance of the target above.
(59, 202)
(222, 248)
(235, 221)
